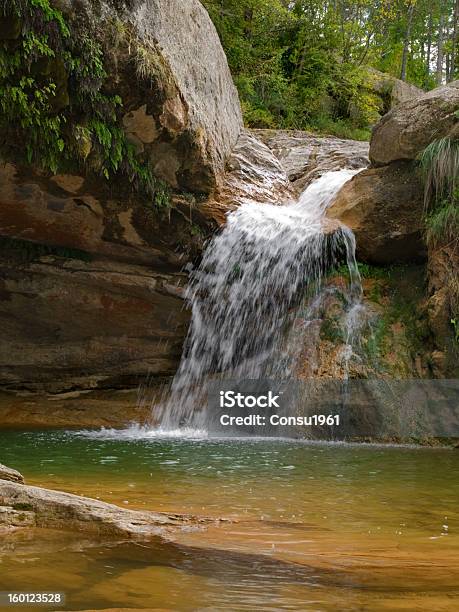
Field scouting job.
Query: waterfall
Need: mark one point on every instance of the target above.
(254, 275)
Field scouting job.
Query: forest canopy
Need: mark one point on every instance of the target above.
(307, 64)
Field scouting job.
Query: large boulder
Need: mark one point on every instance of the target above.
(165, 60)
(383, 208)
(384, 204)
(408, 128)
(391, 90)
(188, 41)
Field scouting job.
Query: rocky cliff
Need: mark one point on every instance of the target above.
(95, 235)
(385, 207)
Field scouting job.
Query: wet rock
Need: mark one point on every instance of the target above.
(9, 474)
(305, 157)
(55, 510)
(383, 207)
(253, 174)
(408, 128)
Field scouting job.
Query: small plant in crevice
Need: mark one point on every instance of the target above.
(55, 110)
(442, 223)
(440, 165)
(440, 168)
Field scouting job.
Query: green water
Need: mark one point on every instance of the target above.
(315, 527)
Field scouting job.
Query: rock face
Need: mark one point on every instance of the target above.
(382, 207)
(167, 63)
(92, 287)
(10, 475)
(79, 409)
(407, 129)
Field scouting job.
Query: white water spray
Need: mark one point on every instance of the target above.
(253, 276)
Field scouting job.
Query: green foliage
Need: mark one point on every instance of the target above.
(442, 224)
(332, 331)
(440, 166)
(304, 64)
(54, 105)
(365, 271)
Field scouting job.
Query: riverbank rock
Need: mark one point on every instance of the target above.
(69, 324)
(304, 156)
(56, 510)
(11, 475)
(383, 207)
(408, 128)
(83, 409)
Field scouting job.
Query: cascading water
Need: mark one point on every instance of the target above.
(253, 277)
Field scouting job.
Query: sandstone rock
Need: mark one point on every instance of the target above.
(305, 157)
(69, 324)
(383, 207)
(78, 409)
(141, 126)
(253, 174)
(408, 128)
(171, 71)
(56, 510)
(69, 183)
(9, 474)
(10, 517)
